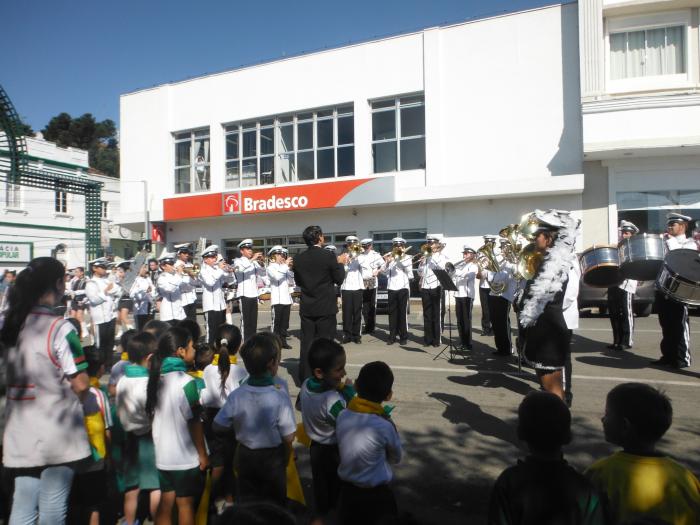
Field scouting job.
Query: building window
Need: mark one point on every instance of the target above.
(294, 243)
(289, 148)
(13, 196)
(105, 210)
(647, 52)
(648, 209)
(192, 166)
(60, 199)
(398, 134)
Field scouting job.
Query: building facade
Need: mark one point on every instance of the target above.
(455, 130)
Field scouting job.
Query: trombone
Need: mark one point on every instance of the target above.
(397, 252)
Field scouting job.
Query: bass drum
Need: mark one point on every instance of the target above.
(680, 276)
(600, 266)
(641, 256)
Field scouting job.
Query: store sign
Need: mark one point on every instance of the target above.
(15, 252)
(347, 192)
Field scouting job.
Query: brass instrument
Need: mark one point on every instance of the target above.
(486, 259)
(426, 250)
(397, 252)
(354, 249)
(529, 261)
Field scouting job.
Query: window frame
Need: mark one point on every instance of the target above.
(398, 138)
(647, 22)
(13, 196)
(195, 133)
(61, 203)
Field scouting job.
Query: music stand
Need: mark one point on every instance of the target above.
(447, 286)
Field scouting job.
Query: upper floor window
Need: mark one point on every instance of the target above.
(304, 146)
(398, 134)
(105, 210)
(13, 196)
(60, 199)
(647, 52)
(192, 167)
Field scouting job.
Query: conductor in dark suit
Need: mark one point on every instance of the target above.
(316, 271)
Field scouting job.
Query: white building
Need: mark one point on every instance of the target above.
(640, 81)
(455, 130)
(37, 222)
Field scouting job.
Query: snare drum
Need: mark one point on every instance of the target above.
(680, 276)
(600, 266)
(642, 256)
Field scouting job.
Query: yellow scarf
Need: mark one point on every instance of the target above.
(196, 373)
(125, 356)
(95, 381)
(364, 406)
(233, 359)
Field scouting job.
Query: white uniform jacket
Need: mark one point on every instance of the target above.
(425, 270)
(464, 277)
(247, 273)
(141, 293)
(101, 303)
(188, 285)
(570, 302)
(353, 276)
(399, 273)
(505, 275)
(681, 241)
(212, 277)
(281, 283)
(169, 290)
(370, 262)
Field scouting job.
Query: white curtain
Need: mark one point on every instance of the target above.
(650, 52)
(674, 53)
(635, 54)
(618, 51)
(654, 63)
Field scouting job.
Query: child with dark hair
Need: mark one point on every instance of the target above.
(90, 484)
(156, 327)
(222, 377)
(117, 371)
(368, 442)
(544, 488)
(193, 328)
(173, 401)
(323, 396)
(139, 471)
(262, 416)
(260, 513)
(640, 481)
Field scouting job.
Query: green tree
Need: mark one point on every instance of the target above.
(84, 132)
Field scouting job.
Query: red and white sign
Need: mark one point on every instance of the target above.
(347, 192)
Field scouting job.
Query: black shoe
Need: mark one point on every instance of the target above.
(660, 362)
(487, 332)
(626, 347)
(403, 342)
(618, 348)
(346, 339)
(436, 345)
(468, 346)
(679, 365)
(357, 340)
(426, 343)
(612, 346)
(390, 341)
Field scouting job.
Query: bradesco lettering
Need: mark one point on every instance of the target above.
(274, 203)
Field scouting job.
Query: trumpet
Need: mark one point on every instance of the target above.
(426, 250)
(354, 249)
(397, 252)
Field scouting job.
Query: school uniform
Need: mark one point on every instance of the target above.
(171, 297)
(320, 407)
(351, 293)
(103, 314)
(281, 285)
(621, 312)
(261, 414)
(370, 262)
(247, 273)
(399, 274)
(432, 298)
(368, 443)
(189, 295)
(464, 277)
(213, 302)
(499, 307)
(141, 294)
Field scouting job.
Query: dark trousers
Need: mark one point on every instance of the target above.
(368, 506)
(352, 312)
(191, 311)
(249, 316)
(463, 309)
(261, 474)
(621, 315)
(280, 319)
(431, 315)
(499, 309)
(369, 309)
(568, 389)
(215, 318)
(313, 328)
(325, 460)
(485, 310)
(398, 314)
(675, 330)
(141, 320)
(105, 342)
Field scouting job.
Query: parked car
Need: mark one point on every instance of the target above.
(593, 297)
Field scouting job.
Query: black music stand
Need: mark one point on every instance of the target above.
(447, 286)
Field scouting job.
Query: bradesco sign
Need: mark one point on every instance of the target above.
(350, 192)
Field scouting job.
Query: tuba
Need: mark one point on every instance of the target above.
(486, 259)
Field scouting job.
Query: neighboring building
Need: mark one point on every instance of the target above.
(38, 222)
(455, 130)
(640, 75)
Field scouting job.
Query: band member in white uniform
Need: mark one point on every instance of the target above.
(102, 292)
(351, 292)
(248, 268)
(212, 276)
(153, 274)
(169, 283)
(78, 302)
(465, 273)
(189, 280)
(370, 262)
(499, 306)
(620, 301)
(673, 315)
(281, 279)
(142, 294)
(431, 292)
(398, 268)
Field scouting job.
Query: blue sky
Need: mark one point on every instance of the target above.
(78, 56)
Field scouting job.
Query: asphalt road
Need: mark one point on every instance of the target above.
(457, 419)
